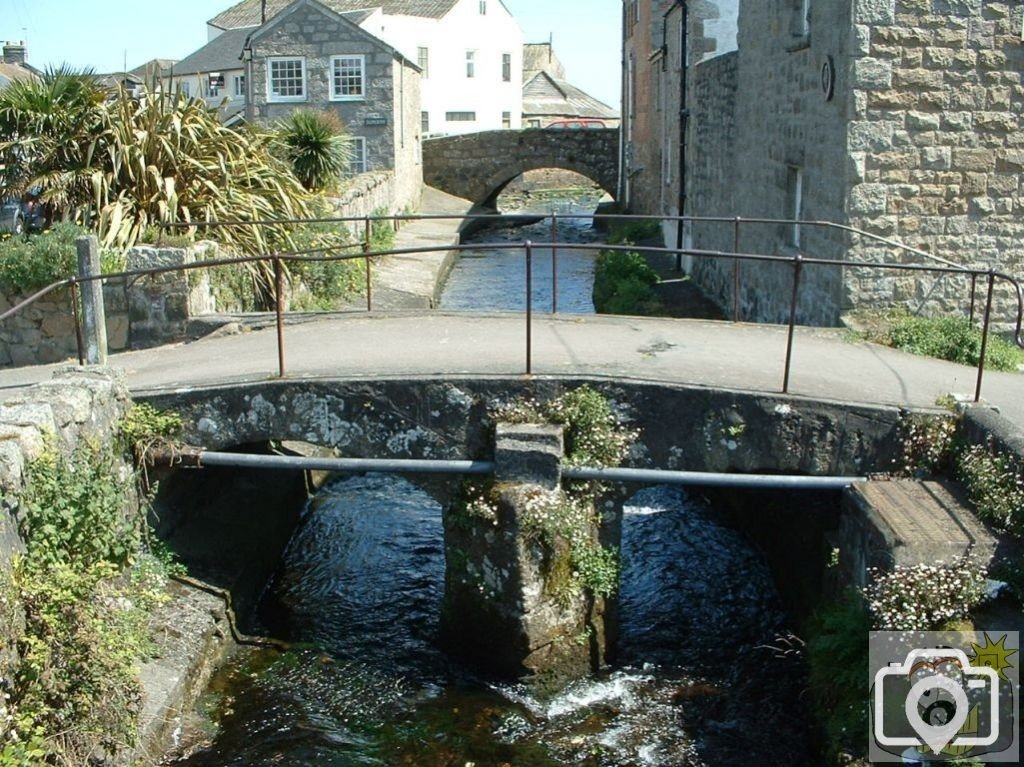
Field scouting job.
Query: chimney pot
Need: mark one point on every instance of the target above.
(14, 53)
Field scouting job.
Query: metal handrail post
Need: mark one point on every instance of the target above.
(554, 263)
(529, 307)
(974, 287)
(366, 234)
(369, 284)
(736, 270)
(279, 311)
(797, 267)
(79, 340)
(984, 333)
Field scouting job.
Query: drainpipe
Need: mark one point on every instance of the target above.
(684, 123)
(263, 12)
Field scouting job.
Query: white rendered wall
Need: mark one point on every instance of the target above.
(446, 87)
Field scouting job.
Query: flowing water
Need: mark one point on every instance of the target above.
(361, 586)
(495, 280)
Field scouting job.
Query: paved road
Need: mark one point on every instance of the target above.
(698, 352)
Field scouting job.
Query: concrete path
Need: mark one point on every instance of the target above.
(696, 352)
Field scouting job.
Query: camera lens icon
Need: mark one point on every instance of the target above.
(928, 698)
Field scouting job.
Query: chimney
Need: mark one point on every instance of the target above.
(14, 53)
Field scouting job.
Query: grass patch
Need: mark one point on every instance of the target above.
(948, 338)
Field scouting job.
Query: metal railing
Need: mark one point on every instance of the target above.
(797, 263)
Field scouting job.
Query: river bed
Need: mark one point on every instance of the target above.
(495, 280)
(360, 592)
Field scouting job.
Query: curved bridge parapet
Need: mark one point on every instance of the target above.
(478, 166)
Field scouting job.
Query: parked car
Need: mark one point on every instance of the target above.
(581, 123)
(24, 213)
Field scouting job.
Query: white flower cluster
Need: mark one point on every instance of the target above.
(922, 597)
(927, 443)
(995, 486)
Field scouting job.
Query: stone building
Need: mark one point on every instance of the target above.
(549, 96)
(469, 53)
(901, 118)
(308, 56)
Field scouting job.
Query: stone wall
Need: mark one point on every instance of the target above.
(708, 431)
(366, 195)
(148, 312)
(921, 141)
(784, 124)
(936, 141)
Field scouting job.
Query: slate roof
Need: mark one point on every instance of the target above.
(247, 12)
(221, 53)
(12, 72)
(545, 95)
(540, 57)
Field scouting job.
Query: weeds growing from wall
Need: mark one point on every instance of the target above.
(86, 585)
(563, 520)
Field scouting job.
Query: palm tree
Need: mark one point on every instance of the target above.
(315, 145)
(50, 130)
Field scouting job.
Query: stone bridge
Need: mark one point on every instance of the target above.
(477, 166)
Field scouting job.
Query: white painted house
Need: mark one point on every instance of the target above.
(469, 51)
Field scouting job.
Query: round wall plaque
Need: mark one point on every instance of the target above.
(828, 78)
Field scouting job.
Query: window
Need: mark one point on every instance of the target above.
(357, 162)
(801, 21)
(424, 122)
(794, 202)
(483, 7)
(506, 67)
(186, 88)
(506, 119)
(423, 60)
(286, 79)
(460, 117)
(348, 77)
(470, 63)
(533, 123)
(238, 87)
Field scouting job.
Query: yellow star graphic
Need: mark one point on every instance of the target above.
(994, 655)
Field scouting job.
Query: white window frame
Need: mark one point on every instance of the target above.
(336, 61)
(470, 64)
(276, 97)
(238, 86)
(506, 67)
(483, 7)
(357, 163)
(186, 88)
(423, 60)
(794, 202)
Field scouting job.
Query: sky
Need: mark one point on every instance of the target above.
(107, 34)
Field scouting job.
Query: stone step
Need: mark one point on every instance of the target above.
(908, 522)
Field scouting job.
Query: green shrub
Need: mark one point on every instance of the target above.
(952, 338)
(27, 264)
(623, 283)
(837, 654)
(86, 588)
(633, 231)
(315, 145)
(382, 233)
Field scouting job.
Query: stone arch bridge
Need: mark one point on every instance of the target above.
(478, 166)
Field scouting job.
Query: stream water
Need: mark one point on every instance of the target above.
(495, 280)
(361, 586)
